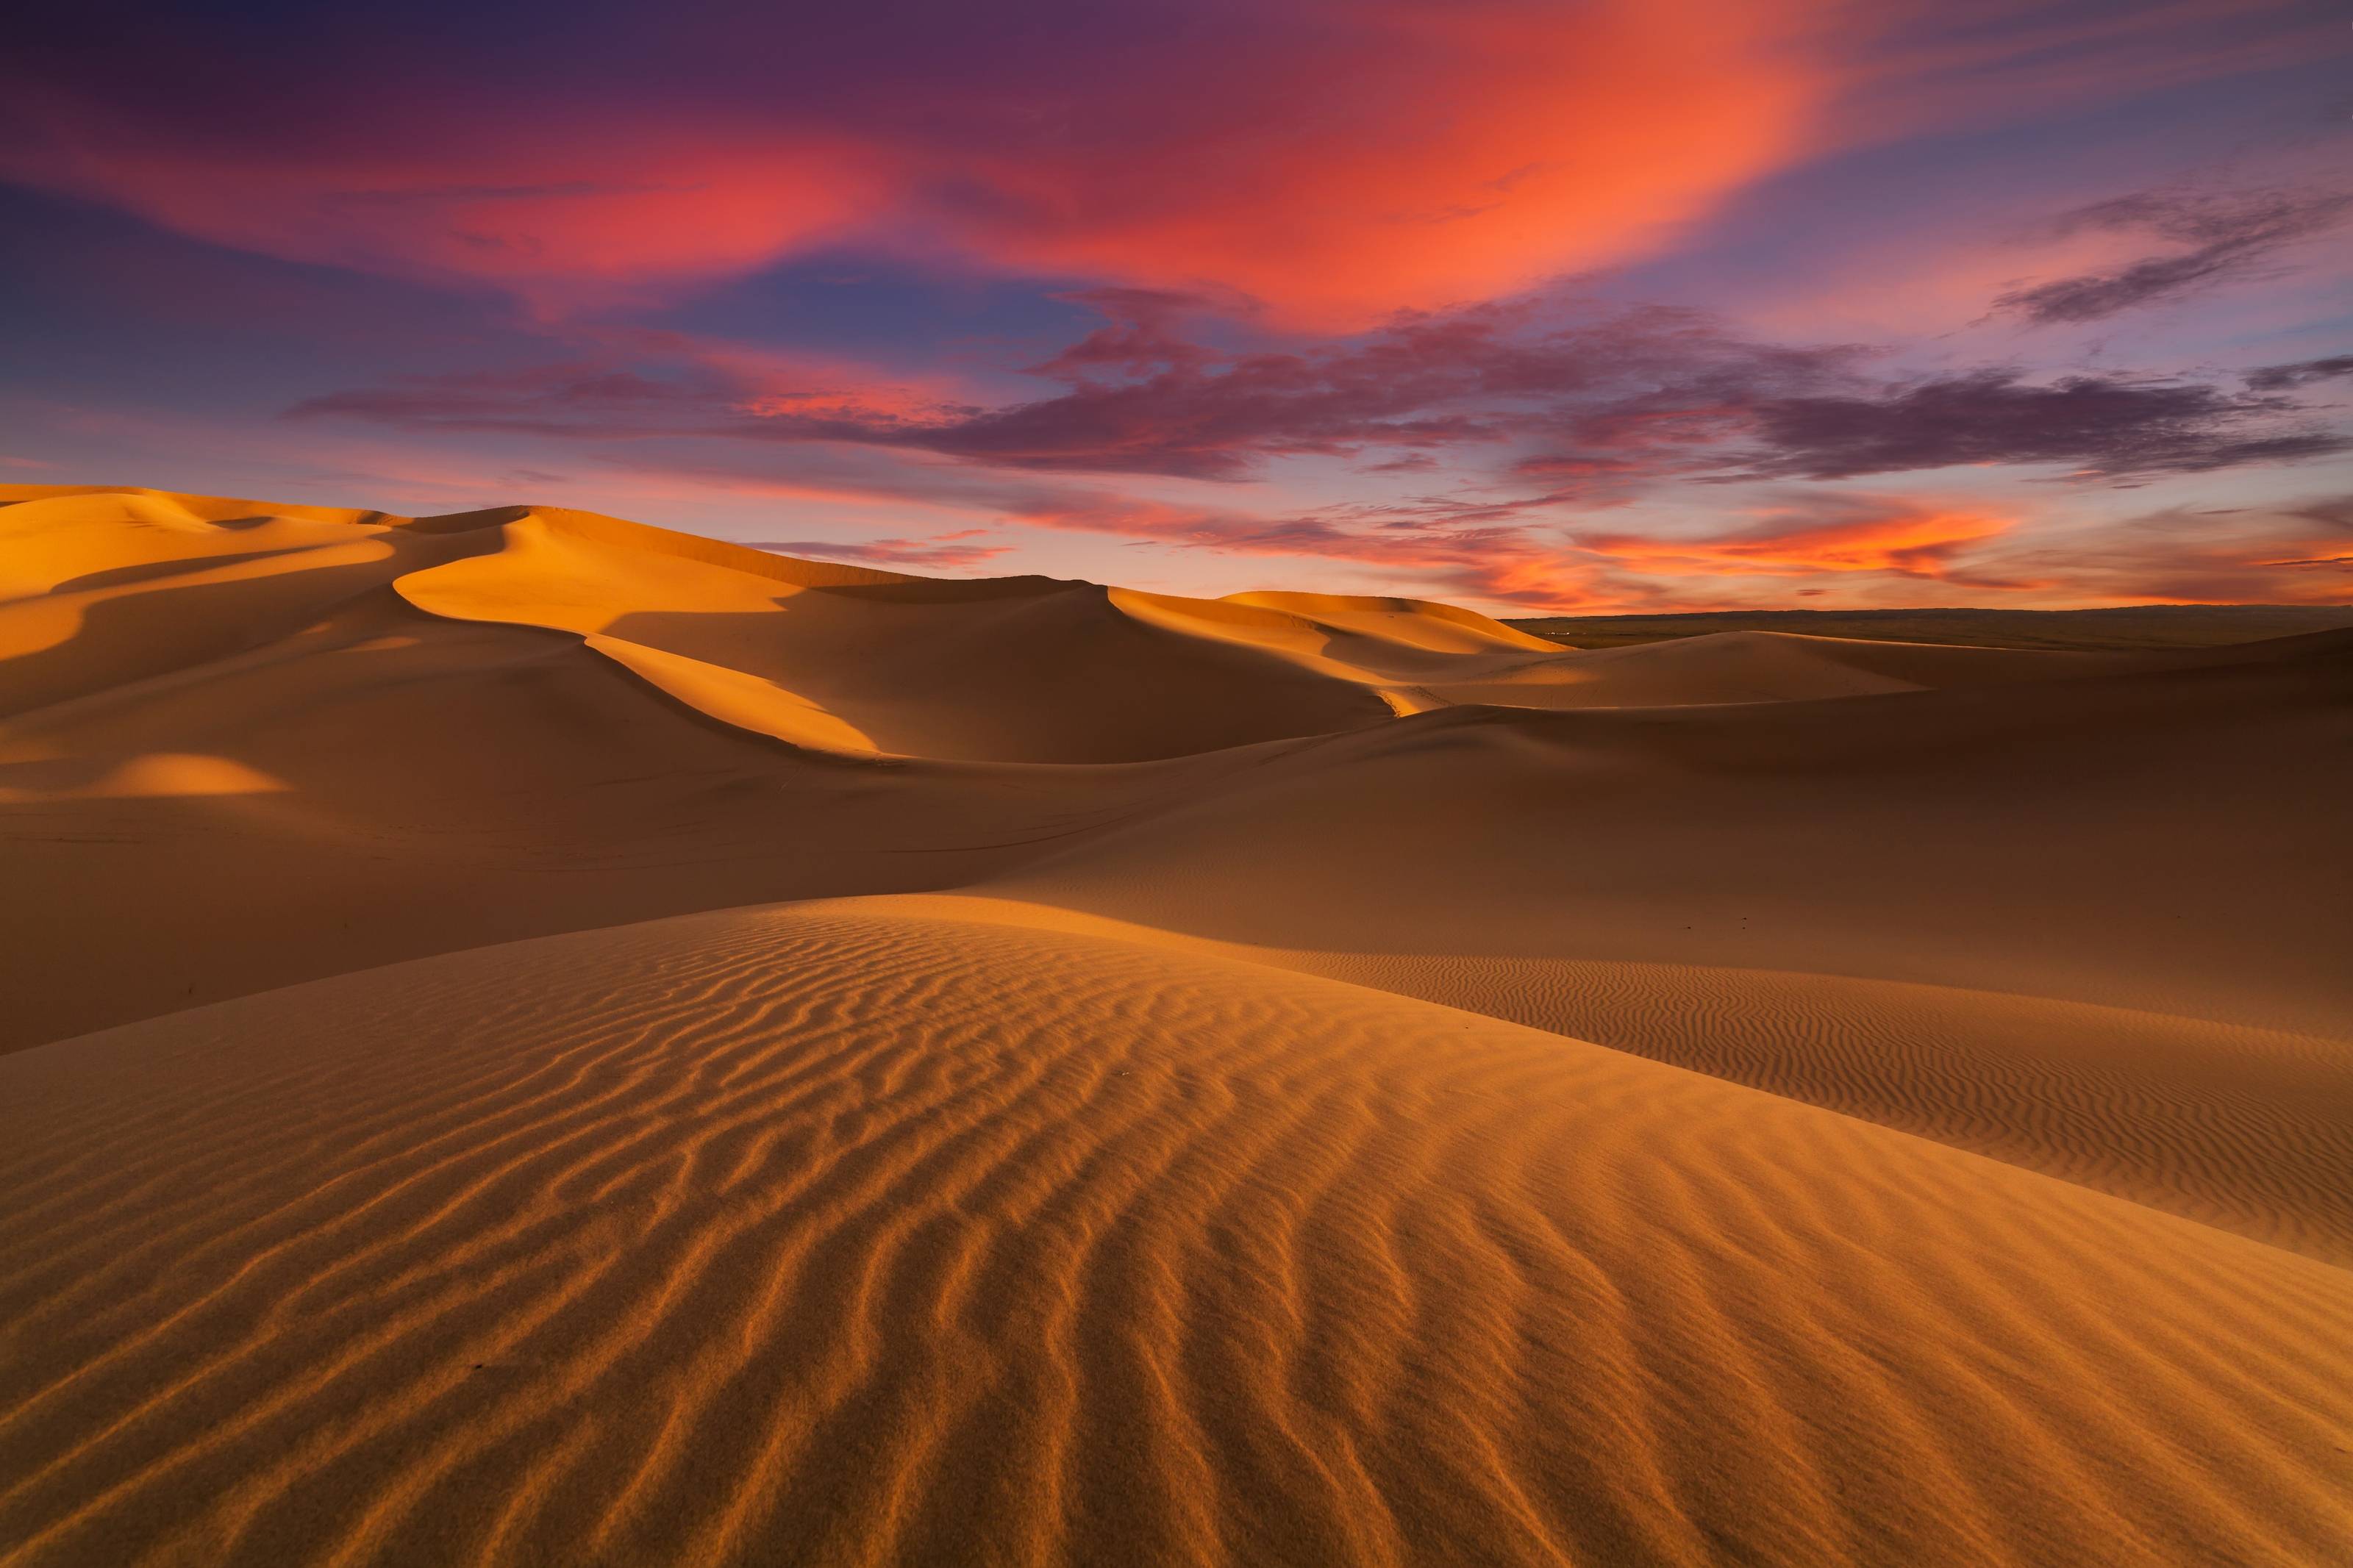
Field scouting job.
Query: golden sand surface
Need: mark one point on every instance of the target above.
(534, 1038)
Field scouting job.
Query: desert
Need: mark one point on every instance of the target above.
(612, 1046)
(1187, 783)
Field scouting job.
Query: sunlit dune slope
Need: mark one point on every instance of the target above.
(2236, 1126)
(1012, 670)
(99, 590)
(862, 1235)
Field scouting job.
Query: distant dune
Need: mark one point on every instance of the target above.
(2126, 628)
(536, 1038)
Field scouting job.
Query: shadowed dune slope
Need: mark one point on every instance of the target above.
(2168, 841)
(852, 1235)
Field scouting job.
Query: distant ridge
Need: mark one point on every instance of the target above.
(2121, 628)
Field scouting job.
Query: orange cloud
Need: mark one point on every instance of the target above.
(1499, 564)
(1336, 161)
(1887, 537)
(579, 217)
(1436, 155)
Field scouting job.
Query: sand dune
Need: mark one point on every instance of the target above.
(100, 591)
(804, 1236)
(2165, 842)
(538, 1039)
(1019, 670)
(2247, 1129)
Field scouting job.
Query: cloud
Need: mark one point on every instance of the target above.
(2304, 372)
(2296, 552)
(1593, 410)
(1837, 534)
(939, 554)
(2291, 552)
(2030, 58)
(2108, 424)
(1336, 162)
(1502, 563)
(2227, 237)
(1139, 399)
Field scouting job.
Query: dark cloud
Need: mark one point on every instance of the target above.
(571, 399)
(1590, 411)
(2304, 372)
(2108, 424)
(2227, 237)
(1139, 398)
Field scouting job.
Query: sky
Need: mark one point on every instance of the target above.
(1540, 306)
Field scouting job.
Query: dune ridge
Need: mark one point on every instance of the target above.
(2246, 1129)
(534, 1037)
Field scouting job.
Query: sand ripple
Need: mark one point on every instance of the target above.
(807, 1235)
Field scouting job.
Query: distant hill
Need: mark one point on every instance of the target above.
(2131, 626)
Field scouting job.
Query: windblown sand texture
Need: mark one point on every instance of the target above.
(536, 1039)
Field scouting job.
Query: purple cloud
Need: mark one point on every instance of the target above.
(2304, 372)
(2109, 424)
(1593, 410)
(2227, 236)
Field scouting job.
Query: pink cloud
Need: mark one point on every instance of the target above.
(1335, 163)
(938, 554)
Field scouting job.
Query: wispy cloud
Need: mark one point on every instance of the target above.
(2296, 552)
(2221, 238)
(2107, 424)
(1825, 534)
(2304, 372)
(1594, 408)
(941, 552)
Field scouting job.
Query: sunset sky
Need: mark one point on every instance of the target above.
(1528, 304)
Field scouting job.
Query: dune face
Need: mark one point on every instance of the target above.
(539, 1039)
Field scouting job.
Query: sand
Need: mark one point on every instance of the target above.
(539, 1039)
